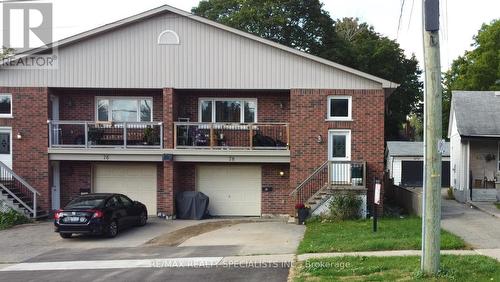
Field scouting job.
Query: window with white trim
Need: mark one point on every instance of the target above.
(124, 109)
(339, 108)
(232, 110)
(5, 105)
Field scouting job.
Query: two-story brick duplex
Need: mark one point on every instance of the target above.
(165, 101)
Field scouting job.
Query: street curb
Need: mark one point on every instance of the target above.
(400, 253)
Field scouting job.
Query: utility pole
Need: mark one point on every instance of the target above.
(431, 218)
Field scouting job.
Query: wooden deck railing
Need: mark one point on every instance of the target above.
(255, 136)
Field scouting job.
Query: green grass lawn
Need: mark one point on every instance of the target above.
(453, 268)
(357, 235)
(498, 205)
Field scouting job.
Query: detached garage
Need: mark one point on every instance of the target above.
(405, 163)
(137, 181)
(234, 190)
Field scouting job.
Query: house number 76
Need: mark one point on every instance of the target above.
(106, 157)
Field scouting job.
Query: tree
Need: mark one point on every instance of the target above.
(373, 53)
(301, 24)
(304, 25)
(477, 70)
(6, 52)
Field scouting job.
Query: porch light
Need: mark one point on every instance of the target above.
(282, 173)
(319, 139)
(19, 136)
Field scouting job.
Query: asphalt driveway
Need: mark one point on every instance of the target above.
(27, 241)
(478, 229)
(255, 238)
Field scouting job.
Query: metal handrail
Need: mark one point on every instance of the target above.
(321, 167)
(18, 178)
(10, 173)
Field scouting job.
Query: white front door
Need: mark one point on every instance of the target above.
(339, 153)
(56, 186)
(6, 146)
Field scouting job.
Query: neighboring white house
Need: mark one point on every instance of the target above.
(474, 133)
(405, 163)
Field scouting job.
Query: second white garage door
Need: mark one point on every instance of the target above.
(233, 190)
(137, 181)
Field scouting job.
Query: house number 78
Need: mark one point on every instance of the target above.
(106, 157)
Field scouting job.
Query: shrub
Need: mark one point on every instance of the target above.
(11, 218)
(450, 193)
(345, 206)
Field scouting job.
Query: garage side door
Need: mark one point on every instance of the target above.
(233, 190)
(137, 181)
(412, 173)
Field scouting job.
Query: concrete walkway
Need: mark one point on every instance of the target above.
(486, 207)
(478, 229)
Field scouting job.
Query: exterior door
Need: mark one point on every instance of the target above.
(6, 146)
(233, 190)
(56, 186)
(339, 154)
(135, 180)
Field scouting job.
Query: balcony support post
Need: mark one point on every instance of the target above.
(86, 134)
(51, 131)
(251, 137)
(161, 135)
(125, 135)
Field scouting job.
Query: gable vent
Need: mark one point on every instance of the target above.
(168, 37)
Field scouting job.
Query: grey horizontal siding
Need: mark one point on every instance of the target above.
(207, 57)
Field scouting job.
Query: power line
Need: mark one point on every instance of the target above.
(411, 13)
(400, 17)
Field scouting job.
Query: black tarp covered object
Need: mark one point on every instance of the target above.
(191, 205)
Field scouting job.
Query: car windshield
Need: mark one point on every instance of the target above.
(85, 203)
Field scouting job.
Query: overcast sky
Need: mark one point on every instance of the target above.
(460, 19)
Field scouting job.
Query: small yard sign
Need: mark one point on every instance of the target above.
(376, 199)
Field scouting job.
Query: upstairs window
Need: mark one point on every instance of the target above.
(230, 110)
(5, 105)
(124, 109)
(339, 108)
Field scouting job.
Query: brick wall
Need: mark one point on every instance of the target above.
(29, 154)
(278, 200)
(79, 104)
(185, 177)
(76, 177)
(272, 106)
(307, 121)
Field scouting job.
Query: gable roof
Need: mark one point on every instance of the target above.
(410, 149)
(477, 113)
(166, 8)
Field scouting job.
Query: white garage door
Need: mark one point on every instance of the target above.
(233, 190)
(137, 181)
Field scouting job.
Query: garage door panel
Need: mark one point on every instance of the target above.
(137, 181)
(233, 190)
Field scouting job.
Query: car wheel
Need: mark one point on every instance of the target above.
(143, 219)
(65, 235)
(112, 229)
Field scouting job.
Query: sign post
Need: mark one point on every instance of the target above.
(376, 203)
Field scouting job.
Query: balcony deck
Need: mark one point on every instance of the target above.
(231, 136)
(91, 134)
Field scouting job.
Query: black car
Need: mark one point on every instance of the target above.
(99, 214)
